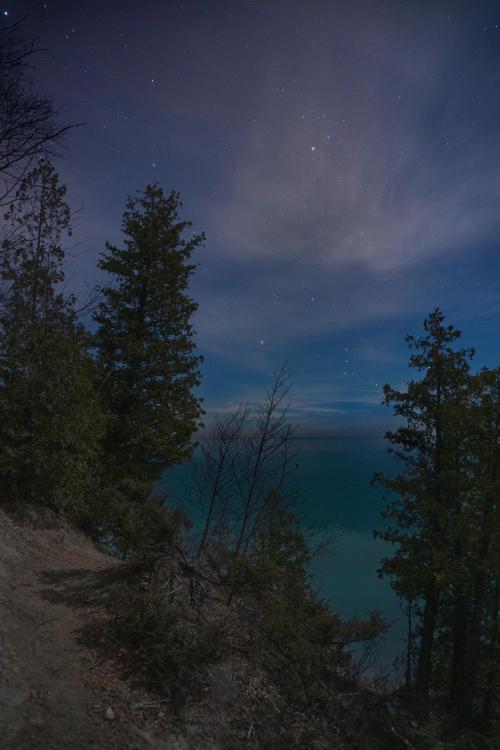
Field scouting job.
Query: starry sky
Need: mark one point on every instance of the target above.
(343, 159)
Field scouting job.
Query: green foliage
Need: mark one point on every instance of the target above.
(442, 518)
(279, 539)
(312, 643)
(50, 421)
(134, 528)
(277, 557)
(145, 347)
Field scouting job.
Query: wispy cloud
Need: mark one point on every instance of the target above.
(372, 160)
(371, 154)
(343, 159)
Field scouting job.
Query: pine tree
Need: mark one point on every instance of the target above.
(431, 489)
(50, 422)
(145, 346)
(484, 651)
(475, 572)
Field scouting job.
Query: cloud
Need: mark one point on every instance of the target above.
(260, 310)
(369, 158)
(342, 158)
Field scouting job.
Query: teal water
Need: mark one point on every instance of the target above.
(334, 475)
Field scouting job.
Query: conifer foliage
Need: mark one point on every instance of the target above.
(145, 348)
(50, 422)
(443, 520)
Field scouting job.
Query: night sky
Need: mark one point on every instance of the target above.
(343, 159)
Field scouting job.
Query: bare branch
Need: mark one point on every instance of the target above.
(29, 123)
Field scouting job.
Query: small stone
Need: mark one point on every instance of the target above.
(109, 714)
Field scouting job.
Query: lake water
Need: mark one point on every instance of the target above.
(334, 476)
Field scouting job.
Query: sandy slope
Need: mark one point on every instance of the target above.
(51, 694)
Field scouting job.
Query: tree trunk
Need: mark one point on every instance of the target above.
(492, 671)
(458, 659)
(427, 641)
(472, 655)
(409, 647)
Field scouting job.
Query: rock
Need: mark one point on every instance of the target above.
(109, 714)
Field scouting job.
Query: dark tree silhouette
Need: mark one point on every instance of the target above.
(50, 422)
(145, 347)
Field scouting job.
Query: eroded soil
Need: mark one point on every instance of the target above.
(54, 693)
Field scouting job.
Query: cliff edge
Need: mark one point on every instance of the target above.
(69, 680)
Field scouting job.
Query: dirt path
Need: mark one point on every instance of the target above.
(49, 695)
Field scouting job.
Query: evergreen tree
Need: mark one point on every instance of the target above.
(145, 347)
(484, 651)
(445, 522)
(431, 489)
(474, 573)
(50, 422)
